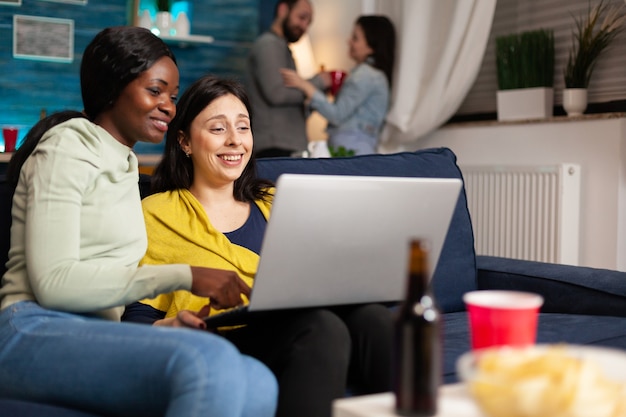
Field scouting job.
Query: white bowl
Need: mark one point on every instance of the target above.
(546, 380)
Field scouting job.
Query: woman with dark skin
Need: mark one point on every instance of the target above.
(77, 236)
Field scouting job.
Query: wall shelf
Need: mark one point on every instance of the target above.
(185, 41)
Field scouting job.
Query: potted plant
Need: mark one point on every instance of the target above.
(525, 68)
(163, 5)
(592, 36)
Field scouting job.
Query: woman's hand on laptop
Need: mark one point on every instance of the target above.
(224, 288)
(186, 318)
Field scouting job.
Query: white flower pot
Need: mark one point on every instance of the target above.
(182, 25)
(525, 103)
(145, 21)
(575, 101)
(164, 23)
(319, 149)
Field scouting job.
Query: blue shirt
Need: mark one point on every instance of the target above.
(250, 235)
(361, 104)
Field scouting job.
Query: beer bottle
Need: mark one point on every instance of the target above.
(417, 358)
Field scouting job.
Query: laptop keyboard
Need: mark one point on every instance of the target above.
(230, 317)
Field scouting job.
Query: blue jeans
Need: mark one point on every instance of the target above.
(127, 369)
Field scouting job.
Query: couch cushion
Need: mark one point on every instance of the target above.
(596, 291)
(456, 270)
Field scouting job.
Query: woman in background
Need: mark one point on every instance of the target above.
(77, 236)
(211, 209)
(357, 115)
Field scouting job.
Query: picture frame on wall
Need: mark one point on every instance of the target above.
(43, 38)
(10, 2)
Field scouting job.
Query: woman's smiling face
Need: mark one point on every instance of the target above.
(220, 142)
(145, 106)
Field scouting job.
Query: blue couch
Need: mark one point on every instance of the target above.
(582, 305)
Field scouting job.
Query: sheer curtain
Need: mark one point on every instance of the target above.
(440, 49)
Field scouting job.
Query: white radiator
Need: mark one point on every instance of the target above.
(525, 212)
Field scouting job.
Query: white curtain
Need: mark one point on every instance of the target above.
(440, 49)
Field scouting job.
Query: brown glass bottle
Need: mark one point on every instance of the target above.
(417, 356)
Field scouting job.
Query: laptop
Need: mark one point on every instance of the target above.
(335, 240)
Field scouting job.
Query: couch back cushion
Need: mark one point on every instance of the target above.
(455, 273)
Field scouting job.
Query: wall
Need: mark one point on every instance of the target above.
(27, 87)
(329, 35)
(596, 143)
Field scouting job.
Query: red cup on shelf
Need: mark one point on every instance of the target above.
(336, 80)
(502, 318)
(9, 134)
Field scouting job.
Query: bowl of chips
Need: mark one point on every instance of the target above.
(546, 380)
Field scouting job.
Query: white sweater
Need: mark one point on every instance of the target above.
(78, 231)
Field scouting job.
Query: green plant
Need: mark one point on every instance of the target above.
(340, 151)
(163, 5)
(589, 43)
(525, 60)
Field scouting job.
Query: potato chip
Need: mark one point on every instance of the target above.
(535, 382)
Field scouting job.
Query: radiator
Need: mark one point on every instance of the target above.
(525, 212)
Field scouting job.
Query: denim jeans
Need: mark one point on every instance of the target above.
(126, 369)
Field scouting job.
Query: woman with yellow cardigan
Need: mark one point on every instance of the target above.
(210, 209)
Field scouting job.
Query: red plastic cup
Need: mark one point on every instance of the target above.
(10, 138)
(502, 318)
(336, 80)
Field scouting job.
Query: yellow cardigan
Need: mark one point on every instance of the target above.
(179, 232)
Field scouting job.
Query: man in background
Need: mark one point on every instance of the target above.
(279, 116)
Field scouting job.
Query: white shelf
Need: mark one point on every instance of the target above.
(188, 40)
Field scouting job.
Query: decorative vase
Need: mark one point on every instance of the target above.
(182, 25)
(525, 103)
(145, 21)
(164, 23)
(318, 149)
(574, 101)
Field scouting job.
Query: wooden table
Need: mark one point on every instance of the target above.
(454, 401)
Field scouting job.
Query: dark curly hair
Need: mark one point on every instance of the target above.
(114, 58)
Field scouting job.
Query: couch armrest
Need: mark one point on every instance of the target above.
(565, 288)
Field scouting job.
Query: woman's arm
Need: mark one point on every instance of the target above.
(139, 312)
(83, 228)
(358, 87)
(363, 83)
(292, 79)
